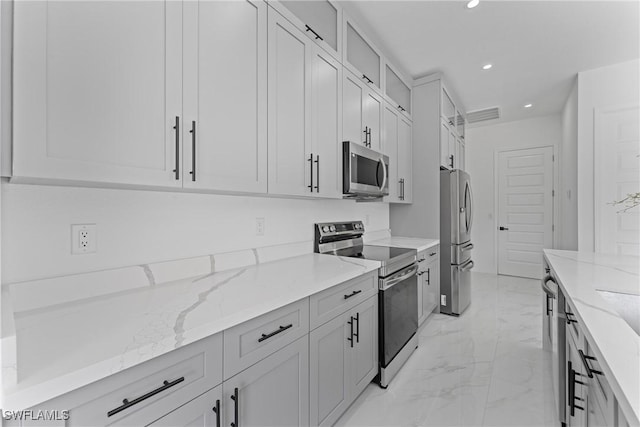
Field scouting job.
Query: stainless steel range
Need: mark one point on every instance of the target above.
(398, 290)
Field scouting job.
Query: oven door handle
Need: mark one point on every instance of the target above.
(394, 280)
(547, 290)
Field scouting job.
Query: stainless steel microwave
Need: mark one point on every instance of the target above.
(365, 172)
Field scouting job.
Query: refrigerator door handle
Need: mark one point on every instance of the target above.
(466, 266)
(469, 207)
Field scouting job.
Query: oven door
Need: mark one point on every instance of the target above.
(398, 312)
(365, 171)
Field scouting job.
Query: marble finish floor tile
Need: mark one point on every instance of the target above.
(484, 368)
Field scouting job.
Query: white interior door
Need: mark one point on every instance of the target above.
(525, 210)
(617, 173)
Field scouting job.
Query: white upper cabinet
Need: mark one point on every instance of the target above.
(448, 110)
(360, 56)
(97, 91)
(225, 96)
(289, 76)
(326, 121)
(405, 148)
(397, 142)
(304, 114)
(362, 113)
(321, 20)
(397, 91)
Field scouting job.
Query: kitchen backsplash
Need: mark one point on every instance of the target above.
(137, 228)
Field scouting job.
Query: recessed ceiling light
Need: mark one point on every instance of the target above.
(472, 4)
(487, 66)
(528, 105)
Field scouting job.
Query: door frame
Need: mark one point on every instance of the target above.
(555, 230)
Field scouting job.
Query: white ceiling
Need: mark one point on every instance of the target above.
(536, 47)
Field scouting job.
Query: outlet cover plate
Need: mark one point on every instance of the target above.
(83, 239)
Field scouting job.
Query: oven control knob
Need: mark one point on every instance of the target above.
(325, 228)
(332, 228)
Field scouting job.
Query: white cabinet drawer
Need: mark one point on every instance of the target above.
(151, 389)
(254, 340)
(331, 302)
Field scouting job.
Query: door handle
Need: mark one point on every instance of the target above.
(504, 228)
(193, 150)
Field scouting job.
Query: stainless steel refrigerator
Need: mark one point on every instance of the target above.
(456, 218)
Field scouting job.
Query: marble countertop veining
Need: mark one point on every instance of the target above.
(416, 243)
(617, 346)
(66, 346)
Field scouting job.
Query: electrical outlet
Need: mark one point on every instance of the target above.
(259, 226)
(83, 239)
(443, 300)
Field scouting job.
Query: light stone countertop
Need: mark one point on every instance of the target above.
(617, 346)
(416, 243)
(67, 345)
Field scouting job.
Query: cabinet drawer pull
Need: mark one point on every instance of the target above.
(570, 321)
(216, 410)
(126, 403)
(590, 371)
(236, 402)
(432, 253)
(176, 127)
(364, 77)
(422, 259)
(280, 329)
(354, 293)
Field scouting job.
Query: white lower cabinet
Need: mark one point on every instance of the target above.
(428, 283)
(273, 392)
(343, 360)
(203, 411)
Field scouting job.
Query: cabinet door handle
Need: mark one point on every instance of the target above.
(428, 276)
(216, 410)
(193, 150)
(357, 334)
(364, 77)
(366, 136)
(549, 306)
(451, 158)
(353, 294)
(400, 108)
(314, 33)
(310, 160)
(276, 332)
(432, 253)
(504, 228)
(350, 339)
(570, 321)
(369, 137)
(590, 371)
(126, 403)
(176, 127)
(236, 403)
(317, 162)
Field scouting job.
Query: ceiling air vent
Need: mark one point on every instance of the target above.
(482, 115)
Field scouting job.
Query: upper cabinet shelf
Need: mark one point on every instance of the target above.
(397, 90)
(320, 20)
(361, 56)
